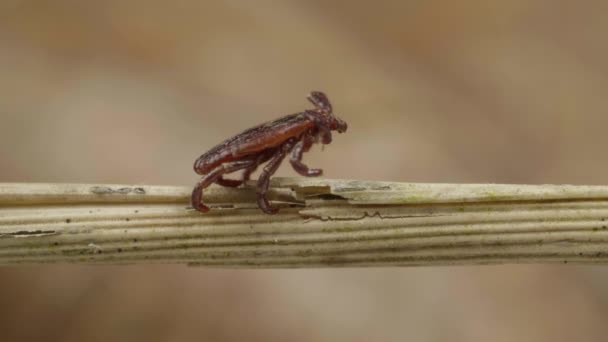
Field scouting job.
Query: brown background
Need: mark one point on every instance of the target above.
(433, 91)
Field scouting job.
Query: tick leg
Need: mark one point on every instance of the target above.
(248, 171)
(230, 183)
(268, 171)
(320, 101)
(296, 158)
(260, 159)
(211, 177)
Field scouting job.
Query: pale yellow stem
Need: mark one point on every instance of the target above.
(322, 223)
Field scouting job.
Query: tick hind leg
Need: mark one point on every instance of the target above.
(213, 176)
(269, 170)
(259, 159)
(230, 183)
(296, 158)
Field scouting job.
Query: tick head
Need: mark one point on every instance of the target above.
(338, 125)
(323, 106)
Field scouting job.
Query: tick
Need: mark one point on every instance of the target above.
(269, 142)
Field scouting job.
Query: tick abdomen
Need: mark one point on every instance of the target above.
(252, 141)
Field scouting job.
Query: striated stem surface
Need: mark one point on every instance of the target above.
(322, 223)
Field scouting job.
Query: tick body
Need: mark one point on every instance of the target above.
(270, 142)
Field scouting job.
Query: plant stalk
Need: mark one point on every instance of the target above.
(322, 223)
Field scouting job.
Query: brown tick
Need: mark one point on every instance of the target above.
(269, 142)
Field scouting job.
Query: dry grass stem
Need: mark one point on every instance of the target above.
(322, 223)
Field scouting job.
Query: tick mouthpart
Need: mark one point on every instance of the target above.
(339, 126)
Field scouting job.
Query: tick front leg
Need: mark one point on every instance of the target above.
(269, 170)
(296, 158)
(210, 178)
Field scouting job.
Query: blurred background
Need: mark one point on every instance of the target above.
(470, 91)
